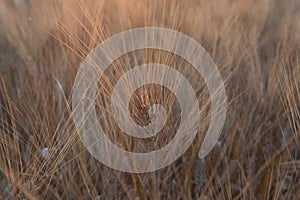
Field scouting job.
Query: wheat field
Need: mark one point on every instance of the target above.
(256, 46)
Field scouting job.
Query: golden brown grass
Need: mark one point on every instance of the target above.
(256, 47)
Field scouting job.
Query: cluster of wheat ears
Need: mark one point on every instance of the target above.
(256, 46)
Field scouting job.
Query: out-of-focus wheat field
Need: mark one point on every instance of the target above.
(256, 46)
